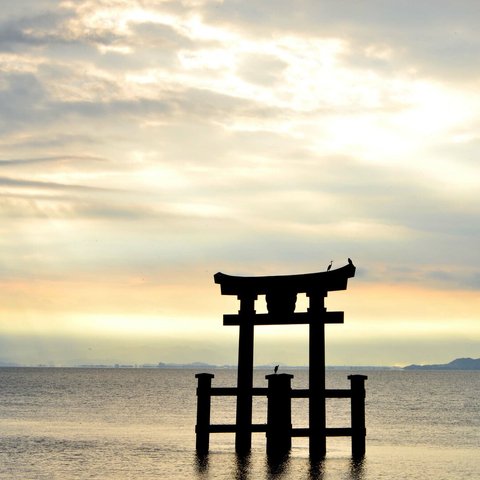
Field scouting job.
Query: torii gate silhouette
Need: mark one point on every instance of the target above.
(281, 295)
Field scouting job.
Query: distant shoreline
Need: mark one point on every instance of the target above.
(457, 364)
(203, 366)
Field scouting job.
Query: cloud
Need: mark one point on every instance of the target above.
(262, 69)
(439, 41)
(78, 161)
(21, 100)
(159, 37)
(30, 31)
(6, 181)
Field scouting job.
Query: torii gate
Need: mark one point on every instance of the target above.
(281, 294)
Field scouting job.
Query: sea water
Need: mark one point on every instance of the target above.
(139, 424)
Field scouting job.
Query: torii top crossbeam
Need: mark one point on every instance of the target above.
(303, 283)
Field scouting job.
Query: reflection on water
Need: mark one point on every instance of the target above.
(248, 467)
(277, 466)
(201, 464)
(242, 467)
(316, 470)
(357, 469)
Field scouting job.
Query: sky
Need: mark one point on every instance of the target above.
(146, 145)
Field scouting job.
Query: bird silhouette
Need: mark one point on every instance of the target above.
(275, 370)
(350, 261)
(330, 266)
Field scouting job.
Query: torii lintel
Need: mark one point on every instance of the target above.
(329, 281)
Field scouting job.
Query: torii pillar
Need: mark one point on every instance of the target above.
(243, 438)
(317, 414)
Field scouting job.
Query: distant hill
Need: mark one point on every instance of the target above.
(457, 364)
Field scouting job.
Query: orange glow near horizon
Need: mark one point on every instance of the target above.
(136, 308)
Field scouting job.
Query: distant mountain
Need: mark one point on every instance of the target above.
(457, 364)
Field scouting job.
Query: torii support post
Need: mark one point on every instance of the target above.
(316, 376)
(358, 414)
(243, 437)
(279, 414)
(202, 428)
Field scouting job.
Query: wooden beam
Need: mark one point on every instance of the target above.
(329, 432)
(219, 428)
(295, 393)
(329, 393)
(300, 318)
(232, 391)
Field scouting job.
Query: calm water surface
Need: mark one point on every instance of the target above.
(139, 424)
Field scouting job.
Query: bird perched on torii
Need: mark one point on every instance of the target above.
(331, 262)
(275, 370)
